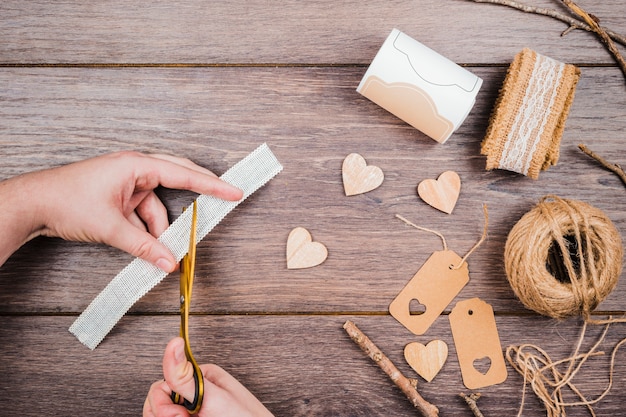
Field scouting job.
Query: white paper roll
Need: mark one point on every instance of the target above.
(421, 87)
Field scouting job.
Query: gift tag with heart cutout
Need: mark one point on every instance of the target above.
(441, 193)
(302, 251)
(427, 360)
(358, 177)
(431, 289)
(477, 344)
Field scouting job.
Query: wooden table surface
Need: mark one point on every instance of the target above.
(211, 81)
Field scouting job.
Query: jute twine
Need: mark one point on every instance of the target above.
(587, 249)
(588, 246)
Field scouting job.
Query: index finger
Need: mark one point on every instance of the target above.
(158, 402)
(170, 173)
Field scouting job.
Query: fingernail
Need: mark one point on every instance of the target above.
(165, 265)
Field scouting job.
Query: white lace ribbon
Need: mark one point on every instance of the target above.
(532, 116)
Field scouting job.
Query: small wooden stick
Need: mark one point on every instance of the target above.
(405, 384)
(572, 22)
(615, 168)
(472, 401)
(592, 21)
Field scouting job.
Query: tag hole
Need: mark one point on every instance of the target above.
(470, 312)
(415, 307)
(482, 365)
(450, 266)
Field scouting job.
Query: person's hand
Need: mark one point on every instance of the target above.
(109, 199)
(224, 396)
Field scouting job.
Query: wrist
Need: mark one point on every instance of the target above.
(19, 217)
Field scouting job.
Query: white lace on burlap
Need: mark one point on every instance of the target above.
(140, 276)
(532, 116)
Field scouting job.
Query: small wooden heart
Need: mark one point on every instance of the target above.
(302, 252)
(427, 360)
(441, 193)
(358, 177)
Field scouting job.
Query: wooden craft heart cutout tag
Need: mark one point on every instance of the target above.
(358, 177)
(427, 360)
(432, 288)
(477, 344)
(302, 252)
(441, 193)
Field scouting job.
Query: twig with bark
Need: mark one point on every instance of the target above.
(593, 22)
(590, 23)
(406, 385)
(472, 401)
(615, 168)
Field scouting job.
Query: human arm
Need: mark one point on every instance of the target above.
(108, 199)
(224, 396)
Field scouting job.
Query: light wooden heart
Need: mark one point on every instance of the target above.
(358, 177)
(302, 252)
(441, 193)
(427, 360)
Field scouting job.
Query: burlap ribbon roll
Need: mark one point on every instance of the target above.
(563, 258)
(528, 120)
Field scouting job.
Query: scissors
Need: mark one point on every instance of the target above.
(187, 269)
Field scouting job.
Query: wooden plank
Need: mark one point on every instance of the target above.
(312, 119)
(298, 366)
(286, 32)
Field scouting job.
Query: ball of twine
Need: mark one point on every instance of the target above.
(563, 258)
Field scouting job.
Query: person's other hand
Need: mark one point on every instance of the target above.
(224, 396)
(110, 199)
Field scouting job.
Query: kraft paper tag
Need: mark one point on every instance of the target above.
(434, 286)
(477, 344)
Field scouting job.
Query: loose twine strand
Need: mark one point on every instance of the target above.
(443, 239)
(598, 251)
(544, 377)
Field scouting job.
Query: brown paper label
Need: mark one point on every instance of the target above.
(477, 344)
(434, 286)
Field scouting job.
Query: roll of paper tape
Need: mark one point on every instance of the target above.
(421, 87)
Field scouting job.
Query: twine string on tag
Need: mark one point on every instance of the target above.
(443, 239)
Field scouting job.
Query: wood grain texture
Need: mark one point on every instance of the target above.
(311, 119)
(307, 366)
(285, 32)
(211, 81)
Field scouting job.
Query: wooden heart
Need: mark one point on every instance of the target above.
(441, 193)
(427, 360)
(358, 177)
(302, 252)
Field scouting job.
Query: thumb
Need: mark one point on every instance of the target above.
(142, 244)
(177, 370)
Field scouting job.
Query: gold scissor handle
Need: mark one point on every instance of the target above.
(187, 271)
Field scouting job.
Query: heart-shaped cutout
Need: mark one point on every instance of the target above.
(482, 365)
(441, 193)
(358, 177)
(302, 252)
(427, 360)
(415, 307)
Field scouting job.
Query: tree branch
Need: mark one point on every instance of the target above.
(572, 22)
(592, 21)
(615, 168)
(405, 384)
(472, 401)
